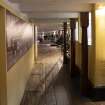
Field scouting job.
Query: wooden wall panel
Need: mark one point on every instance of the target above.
(3, 91)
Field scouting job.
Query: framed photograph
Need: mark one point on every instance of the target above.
(19, 36)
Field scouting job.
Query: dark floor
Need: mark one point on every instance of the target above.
(59, 92)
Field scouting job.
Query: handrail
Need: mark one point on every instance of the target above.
(46, 76)
(51, 70)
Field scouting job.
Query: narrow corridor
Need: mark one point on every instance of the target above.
(59, 92)
(52, 52)
(50, 84)
(47, 67)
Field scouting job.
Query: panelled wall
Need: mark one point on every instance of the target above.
(17, 47)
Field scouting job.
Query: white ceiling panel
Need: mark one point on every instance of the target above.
(55, 8)
(51, 10)
(52, 15)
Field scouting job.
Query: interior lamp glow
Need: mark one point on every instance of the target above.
(54, 32)
(100, 10)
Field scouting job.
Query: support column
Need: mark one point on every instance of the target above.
(35, 43)
(3, 57)
(72, 27)
(65, 32)
(84, 73)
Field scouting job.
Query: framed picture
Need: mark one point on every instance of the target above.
(19, 36)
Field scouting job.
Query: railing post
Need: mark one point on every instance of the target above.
(35, 43)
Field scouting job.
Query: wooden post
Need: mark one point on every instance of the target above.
(65, 32)
(72, 27)
(3, 57)
(35, 43)
(84, 17)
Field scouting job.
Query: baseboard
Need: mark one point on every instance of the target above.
(96, 93)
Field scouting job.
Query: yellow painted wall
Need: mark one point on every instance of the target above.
(3, 78)
(78, 54)
(91, 54)
(90, 60)
(91, 51)
(100, 46)
(17, 77)
(78, 47)
(13, 82)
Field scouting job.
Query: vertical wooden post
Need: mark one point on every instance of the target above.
(72, 27)
(3, 63)
(84, 17)
(65, 32)
(35, 43)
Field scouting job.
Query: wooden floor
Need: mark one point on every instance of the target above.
(45, 70)
(61, 90)
(58, 93)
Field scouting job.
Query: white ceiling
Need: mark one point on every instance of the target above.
(51, 10)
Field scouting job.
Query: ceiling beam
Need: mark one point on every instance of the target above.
(48, 21)
(67, 7)
(52, 15)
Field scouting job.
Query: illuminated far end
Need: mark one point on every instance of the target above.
(100, 10)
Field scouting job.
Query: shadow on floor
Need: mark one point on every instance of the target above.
(58, 92)
(62, 91)
(77, 98)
